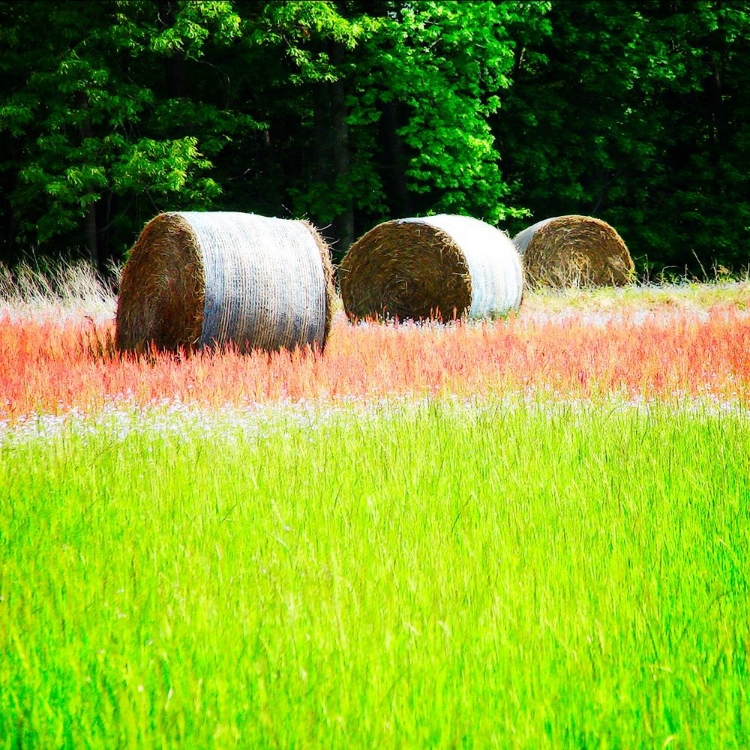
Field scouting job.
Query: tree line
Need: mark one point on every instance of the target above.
(351, 112)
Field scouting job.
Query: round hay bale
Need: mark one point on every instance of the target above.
(574, 251)
(437, 267)
(197, 279)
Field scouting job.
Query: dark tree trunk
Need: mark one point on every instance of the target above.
(105, 210)
(90, 231)
(332, 157)
(91, 235)
(396, 162)
(9, 238)
(717, 105)
(341, 164)
(174, 65)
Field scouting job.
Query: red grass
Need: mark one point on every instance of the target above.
(50, 367)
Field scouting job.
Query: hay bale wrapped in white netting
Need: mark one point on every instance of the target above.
(197, 279)
(439, 267)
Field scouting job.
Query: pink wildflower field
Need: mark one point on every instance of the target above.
(52, 364)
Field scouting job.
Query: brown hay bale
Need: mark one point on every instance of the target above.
(441, 267)
(574, 251)
(197, 279)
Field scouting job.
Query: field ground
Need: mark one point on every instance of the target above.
(527, 533)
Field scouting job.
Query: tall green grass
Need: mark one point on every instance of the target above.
(416, 576)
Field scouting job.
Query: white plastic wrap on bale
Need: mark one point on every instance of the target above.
(264, 280)
(494, 263)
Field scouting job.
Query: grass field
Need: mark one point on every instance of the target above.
(414, 575)
(548, 546)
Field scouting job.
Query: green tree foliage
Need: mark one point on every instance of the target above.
(430, 79)
(310, 45)
(350, 112)
(637, 112)
(94, 114)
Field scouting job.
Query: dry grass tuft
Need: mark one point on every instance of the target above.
(56, 289)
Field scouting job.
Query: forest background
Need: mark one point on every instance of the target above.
(357, 111)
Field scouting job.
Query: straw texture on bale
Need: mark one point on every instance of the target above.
(198, 279)
(574, 250)
(441, 267)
